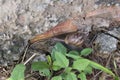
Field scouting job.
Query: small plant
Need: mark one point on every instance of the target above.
(63, 65)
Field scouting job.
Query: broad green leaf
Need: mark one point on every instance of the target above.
(55, 68)
(53, 54)
(88, 70)
(39, 65)
(58, 48)
(68, 70)
(80, 64)
(100, 67)
(45, 72)
(86, 52)
(18, 72)
(82, 76)
(71, 76)
(61, 60)
(57, 78)
(63, 75)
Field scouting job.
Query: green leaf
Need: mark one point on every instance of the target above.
(55, 68)
(100, 67)
(18, 72)
(57, 78)
(45, 72)
(116, 78)
(71, 76)
(63, 75)
(58, 48)
(53, 54)
(73, 54)
(80, 64)
(88, 70)
(39, 65)
(86, 52)
(82, 76)
(61, 60)
(68, 70)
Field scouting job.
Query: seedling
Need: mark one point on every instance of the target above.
(71, 65)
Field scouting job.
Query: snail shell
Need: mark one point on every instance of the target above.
(75, 39)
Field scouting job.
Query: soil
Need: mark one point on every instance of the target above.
(20, 20)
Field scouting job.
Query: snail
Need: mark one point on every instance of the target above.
(70, 26)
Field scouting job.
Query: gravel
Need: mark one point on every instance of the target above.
(22, 19)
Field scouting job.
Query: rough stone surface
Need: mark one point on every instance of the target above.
(106, 44)
(22, 19)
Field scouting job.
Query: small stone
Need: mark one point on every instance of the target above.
(106, 44)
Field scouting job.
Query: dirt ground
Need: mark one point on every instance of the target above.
(20, 20)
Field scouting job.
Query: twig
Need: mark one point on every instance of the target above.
(97, 75)
(24, 54)
(108, 61)
(31, 75)
(105, 32)
(30, 58)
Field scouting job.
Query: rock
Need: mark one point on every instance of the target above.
(105, 45)
(22, 19)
